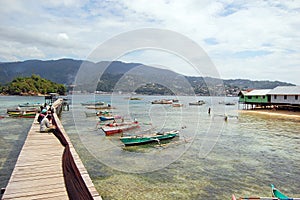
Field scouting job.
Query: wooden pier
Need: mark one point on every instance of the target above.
(43, 169)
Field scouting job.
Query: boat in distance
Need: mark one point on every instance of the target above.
(109, 117)
(198, 103)
(115, 128)
(92, 103)
(148, 138)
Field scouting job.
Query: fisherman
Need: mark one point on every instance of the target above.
(209, 110)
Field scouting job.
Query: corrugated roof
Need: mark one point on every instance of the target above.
(258, 92)
(285, 90)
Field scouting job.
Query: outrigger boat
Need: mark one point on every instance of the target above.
(148, 138)
(114, 128)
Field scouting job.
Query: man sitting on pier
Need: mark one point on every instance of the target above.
(45, 126)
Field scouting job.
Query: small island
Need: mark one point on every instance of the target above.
(32, 86)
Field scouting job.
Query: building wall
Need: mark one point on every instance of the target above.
(290, 99)
(256, 99)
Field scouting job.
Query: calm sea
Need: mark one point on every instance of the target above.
(211, 159)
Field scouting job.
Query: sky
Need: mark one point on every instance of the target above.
(257, 40)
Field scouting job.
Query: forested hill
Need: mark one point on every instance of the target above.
(64, 71)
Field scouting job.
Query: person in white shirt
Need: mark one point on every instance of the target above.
(45, 126)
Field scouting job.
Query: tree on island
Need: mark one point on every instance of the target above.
(34, 85)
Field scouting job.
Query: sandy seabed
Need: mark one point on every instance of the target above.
(277, 113)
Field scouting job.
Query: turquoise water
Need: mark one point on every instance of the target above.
(211, 159)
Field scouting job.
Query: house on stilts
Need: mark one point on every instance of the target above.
(281, 97)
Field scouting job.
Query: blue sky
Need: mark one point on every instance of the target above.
(257, 40)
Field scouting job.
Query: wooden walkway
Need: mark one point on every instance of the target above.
(38, 172)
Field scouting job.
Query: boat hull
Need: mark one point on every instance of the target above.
(118, 128)
(144, 139)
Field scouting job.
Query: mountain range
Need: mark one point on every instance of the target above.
(127, 77)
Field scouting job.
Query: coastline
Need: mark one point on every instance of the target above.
(277, 113)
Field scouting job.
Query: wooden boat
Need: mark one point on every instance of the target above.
(177, 105)
(198, 103)
(114, 128)
(109, 117)
(93, 103)
(22, 114)
(162, 101)
(148, 138)
(276, 193)
(135, 98)
(229, 104)
(30, 105)
(100, 107)
(100, 113)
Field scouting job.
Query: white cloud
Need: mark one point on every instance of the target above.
(224, 28)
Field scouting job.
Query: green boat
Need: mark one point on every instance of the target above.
(148, 138)
(276, 193)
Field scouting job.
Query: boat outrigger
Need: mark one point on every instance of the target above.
(148, 138)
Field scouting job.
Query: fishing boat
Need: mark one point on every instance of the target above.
(229, 104)
(114, 128)
(198, 103)
(177, 105)
(30, 105)
(92, 103)
(148, 138)
(18, 109)
(22, 114)
(100, 107)
(135, 98)
(162, 101)
(276, 193)
(100, 113)
(109, 117)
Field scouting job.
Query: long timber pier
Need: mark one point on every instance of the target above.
(48, 167)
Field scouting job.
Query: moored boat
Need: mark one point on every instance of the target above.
(276, 193)
(109, 117)
(177, 105)
(100, 107)
(22, 114)
(93, 103)
(148, 138)
(114, 128)
(198, 103)
(162, 101)
(35, 105)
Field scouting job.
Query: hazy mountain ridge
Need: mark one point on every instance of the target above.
(64, 71)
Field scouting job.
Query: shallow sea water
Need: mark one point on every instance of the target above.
(211, 159)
